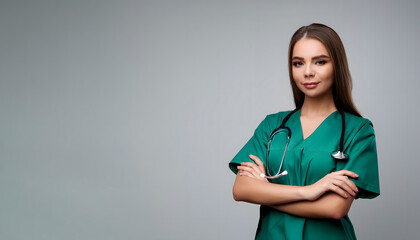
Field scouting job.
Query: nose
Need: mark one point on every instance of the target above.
(309, 71)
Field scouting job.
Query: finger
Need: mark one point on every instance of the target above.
(250, 169)
(246, 169)
(349, 182)
(339, 191)
(252, 165)
(258, 162)
(244, 173)
(343, 185)
(347, 173)
(344, 179)
(343, 182)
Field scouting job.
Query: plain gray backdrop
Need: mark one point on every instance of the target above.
(118, 118)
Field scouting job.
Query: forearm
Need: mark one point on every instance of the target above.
(260, 192)
(250, 187)
(330, 205)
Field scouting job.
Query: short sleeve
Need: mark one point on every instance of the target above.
(256, 146)
(363, 160)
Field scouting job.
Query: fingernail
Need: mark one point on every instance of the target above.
(240, 174)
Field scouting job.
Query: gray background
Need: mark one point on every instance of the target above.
(118, 118)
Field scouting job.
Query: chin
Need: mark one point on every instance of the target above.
(315, 95)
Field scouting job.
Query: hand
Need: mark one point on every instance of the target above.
(337, 182)
(252, 170)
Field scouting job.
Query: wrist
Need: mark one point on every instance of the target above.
(303, 192)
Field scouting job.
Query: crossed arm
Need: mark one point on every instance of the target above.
(330, 197)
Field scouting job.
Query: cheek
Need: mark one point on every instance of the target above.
(296, 75)
(329, 74)
(296, 80)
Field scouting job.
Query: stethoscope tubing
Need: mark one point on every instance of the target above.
(277, 175)
(338, 155)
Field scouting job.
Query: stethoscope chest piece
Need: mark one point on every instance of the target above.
(339, 155)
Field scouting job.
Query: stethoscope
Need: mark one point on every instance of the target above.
(338, 155)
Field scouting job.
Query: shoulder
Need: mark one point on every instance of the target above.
(271, 122)
(356, 125)
(274, 120)
(356, 121)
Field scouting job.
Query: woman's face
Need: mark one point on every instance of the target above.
(312, 68)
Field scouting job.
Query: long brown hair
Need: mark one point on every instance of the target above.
(342, 85)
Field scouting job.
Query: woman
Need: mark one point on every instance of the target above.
(313, 199)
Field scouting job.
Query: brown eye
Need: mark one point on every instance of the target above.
(297, 64)
(321, 62)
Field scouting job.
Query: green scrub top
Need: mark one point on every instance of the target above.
(307, 161)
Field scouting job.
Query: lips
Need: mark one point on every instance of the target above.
(311, 85)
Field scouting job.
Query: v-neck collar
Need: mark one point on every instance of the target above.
(319, 126)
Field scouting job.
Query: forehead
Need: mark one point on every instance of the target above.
(309, 47)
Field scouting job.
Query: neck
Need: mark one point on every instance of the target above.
(320, 106)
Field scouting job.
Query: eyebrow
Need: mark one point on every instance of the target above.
(316, 57)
